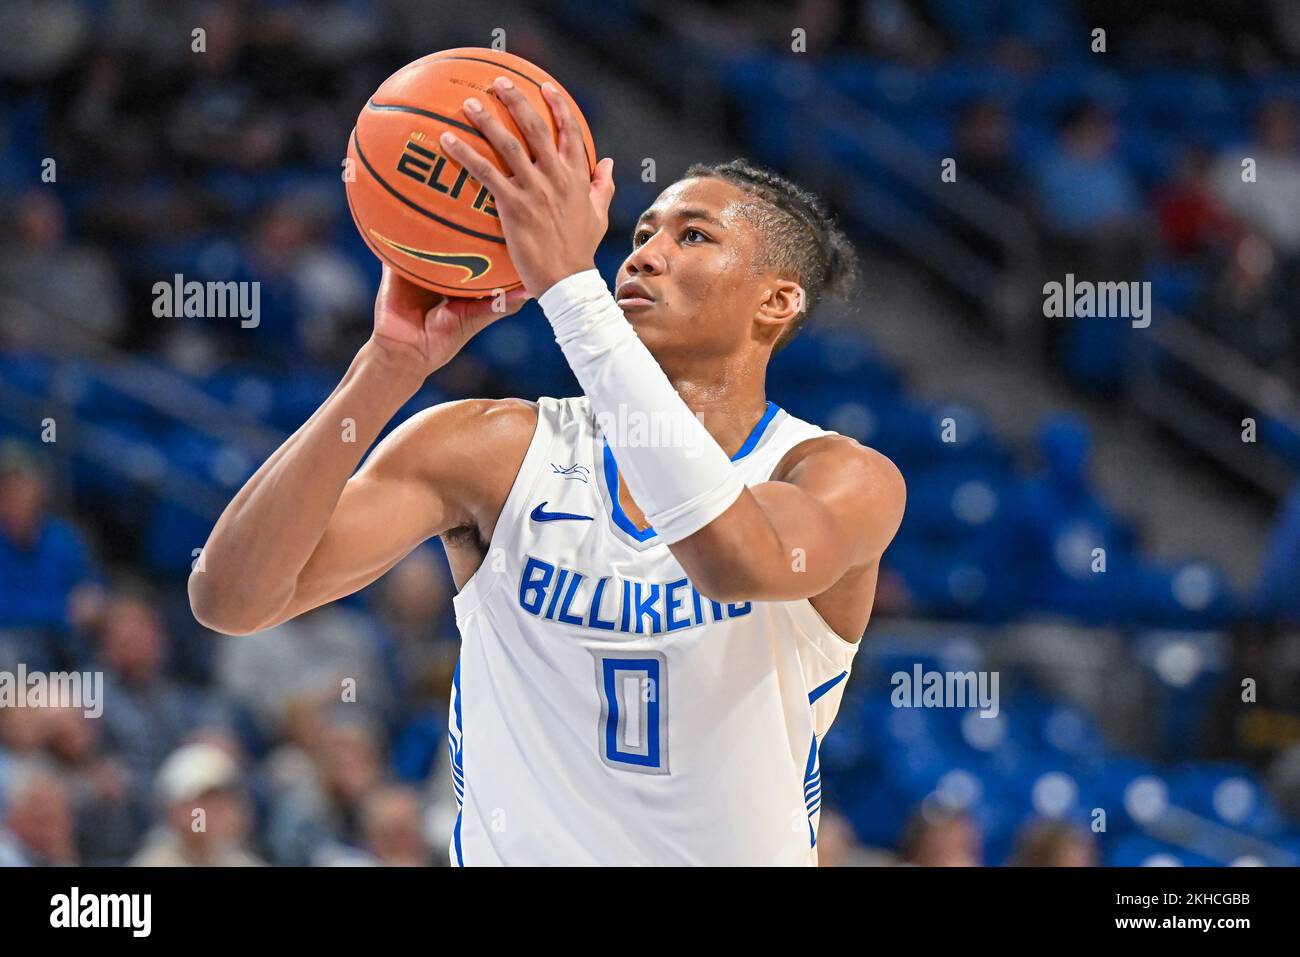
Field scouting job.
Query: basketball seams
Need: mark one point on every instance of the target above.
(453, 55)
(400, 108)
(407, 201)
(422, 219)
(414, 276)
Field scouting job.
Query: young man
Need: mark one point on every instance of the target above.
(656, 622)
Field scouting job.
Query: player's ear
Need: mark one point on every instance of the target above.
(782, 303)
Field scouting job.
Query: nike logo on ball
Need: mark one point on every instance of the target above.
(539, 514)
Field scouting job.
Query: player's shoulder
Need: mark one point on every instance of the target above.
(847, 460)
(464, 433)
(484, 420)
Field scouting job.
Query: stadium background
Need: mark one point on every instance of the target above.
(1120, 690)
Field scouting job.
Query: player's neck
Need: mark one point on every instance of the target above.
(729, 399)
(728, 405)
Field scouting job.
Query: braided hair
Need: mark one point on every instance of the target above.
(801, 239)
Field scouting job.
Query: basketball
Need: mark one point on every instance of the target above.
(418, 210)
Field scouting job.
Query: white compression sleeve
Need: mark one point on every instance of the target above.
(677, 472)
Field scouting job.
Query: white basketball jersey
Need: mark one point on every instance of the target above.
(603, 711)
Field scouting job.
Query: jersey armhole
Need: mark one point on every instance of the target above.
(475, 592)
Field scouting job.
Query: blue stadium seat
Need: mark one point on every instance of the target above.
(1230, 795)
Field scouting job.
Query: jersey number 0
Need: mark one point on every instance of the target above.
(633, 689)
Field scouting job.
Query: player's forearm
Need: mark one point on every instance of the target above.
(773, 544)
(680, 487)
(268, 532)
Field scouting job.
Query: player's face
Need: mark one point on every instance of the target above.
(693, 253)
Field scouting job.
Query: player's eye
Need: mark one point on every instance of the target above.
(692, 230)
(639, 237)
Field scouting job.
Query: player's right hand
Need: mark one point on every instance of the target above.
(426, 329)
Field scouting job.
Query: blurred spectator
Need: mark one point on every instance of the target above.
(392, 827)
(73, 285)
(39, 37)
(333, 651)
(1271, 202)
(941, 837)
(1088, 199)
(414, 609)
(37, 827)
(1054, 844)
(315, 816)
(205, 817)
(311, 296)
(146, 714)
(894, 29)
(984, 150)
(47, 577)
(109, 818)
(1248, 305)
(1194, 222)
(838, 845)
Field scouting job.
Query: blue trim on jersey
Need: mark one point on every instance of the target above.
(611, 473)
(812, 775)
(821, 689)
(619, 516)
(750, 443)
(456, 744)
(812, 790)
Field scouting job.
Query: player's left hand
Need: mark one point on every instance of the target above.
(553, 213)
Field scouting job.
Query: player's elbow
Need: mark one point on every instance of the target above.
(212, 608)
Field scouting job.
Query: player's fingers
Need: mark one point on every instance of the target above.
(535, 129)
(503, 141)
(511, 302)
(602, 186)
(570, 137)
(399, 293)
(478, 165)
(477, 314)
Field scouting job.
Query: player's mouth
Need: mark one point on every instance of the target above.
(633, 295)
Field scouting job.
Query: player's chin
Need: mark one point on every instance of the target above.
(645, 315)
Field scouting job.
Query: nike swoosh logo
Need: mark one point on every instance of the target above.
(539, 514)
(473, 264)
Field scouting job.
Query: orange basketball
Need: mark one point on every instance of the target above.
(419, 210)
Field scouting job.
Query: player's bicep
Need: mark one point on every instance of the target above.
(854, 497)
(834, 510)
(813, 543)
(431, 474)
(376, 524)
(392, 504)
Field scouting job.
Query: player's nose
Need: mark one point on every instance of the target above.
(644, 261)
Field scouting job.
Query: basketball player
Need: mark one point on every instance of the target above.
(656, 624)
